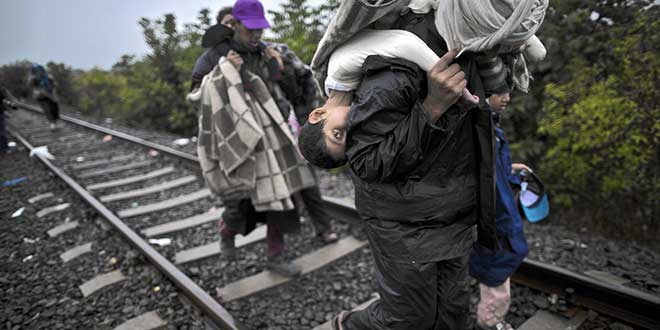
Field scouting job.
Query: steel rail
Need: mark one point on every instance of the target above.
(633, 306)
(630, 305)
(167, 150)
(202, 300)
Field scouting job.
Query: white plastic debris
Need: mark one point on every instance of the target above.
(181, 142)
(18, 212)
(29, 240)
(11, 144)
(42, 151)
(28, 258)
(107, 138)
(160, 241)
(80, 159)
(193, 139)
(153, 153)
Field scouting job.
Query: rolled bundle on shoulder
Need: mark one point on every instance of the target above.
(477, 25)
(482, 25)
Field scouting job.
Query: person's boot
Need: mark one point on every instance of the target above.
(227, 244)
(328, 236)
(227, 247)
(280, 265)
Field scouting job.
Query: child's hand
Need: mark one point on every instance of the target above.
(235, 58)
(469, 98)
(517, 167)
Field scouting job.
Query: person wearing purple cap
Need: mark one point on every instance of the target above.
(291, 85)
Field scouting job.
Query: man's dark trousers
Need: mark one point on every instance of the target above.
(51, 108)
(416, 296)
(316, 208)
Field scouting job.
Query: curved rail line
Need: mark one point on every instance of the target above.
(630, 305)
(218, 315)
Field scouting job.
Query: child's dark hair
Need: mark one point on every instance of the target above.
(222, 13)
(312, 146)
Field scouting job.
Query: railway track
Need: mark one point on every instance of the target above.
(153, 193)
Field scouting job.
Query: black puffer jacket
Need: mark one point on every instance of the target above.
(407, 169)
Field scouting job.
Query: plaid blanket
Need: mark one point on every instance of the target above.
(245, 146)
(351, 17)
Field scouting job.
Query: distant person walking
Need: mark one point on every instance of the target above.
(4, 105)
(493, 269)
(43, 91)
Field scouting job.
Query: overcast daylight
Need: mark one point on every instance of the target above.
(330, 164)
(84, 34)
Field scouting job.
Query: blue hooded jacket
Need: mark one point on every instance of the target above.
(40, 74)
(493, 268)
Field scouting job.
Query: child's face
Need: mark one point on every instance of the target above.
(498, 102)
(335, 119)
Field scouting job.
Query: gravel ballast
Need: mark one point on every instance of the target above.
(40, 291)
(349, 282)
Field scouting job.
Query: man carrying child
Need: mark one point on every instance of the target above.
(423, 176)
(421, 163)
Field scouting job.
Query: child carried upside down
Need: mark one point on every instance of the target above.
(323, 145)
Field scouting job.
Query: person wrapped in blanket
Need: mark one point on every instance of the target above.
(237, 36)
(353, 99)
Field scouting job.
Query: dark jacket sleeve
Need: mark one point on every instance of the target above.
(389, 131)
(205, 63)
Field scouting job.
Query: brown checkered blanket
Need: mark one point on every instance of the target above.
(245, 146)
(352, 16)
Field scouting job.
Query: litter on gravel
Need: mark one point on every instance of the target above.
(42, 151)
(18, 212)
(160, 241)
(181, 142)
(13, 182)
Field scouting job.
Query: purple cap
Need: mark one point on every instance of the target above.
(251, 14)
